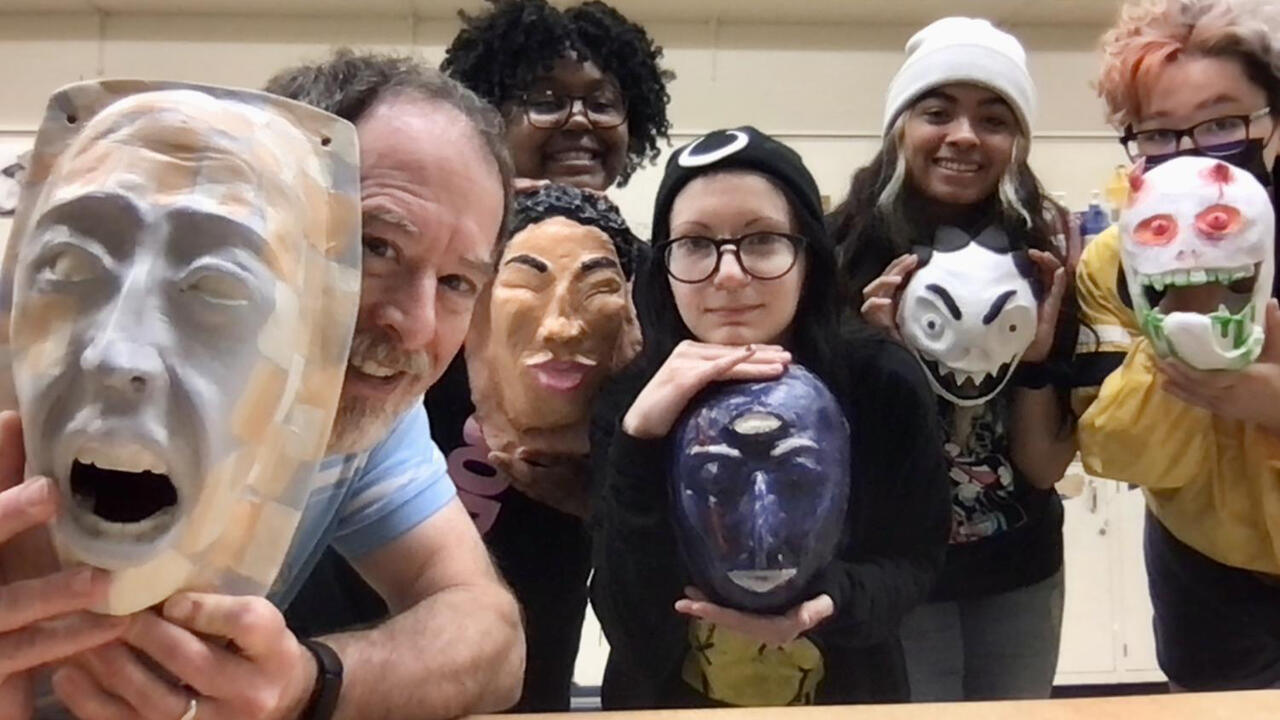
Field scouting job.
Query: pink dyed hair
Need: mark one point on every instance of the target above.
(1151, 33)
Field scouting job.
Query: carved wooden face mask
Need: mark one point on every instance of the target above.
(179, 293)
(1197, 249)
(554, 323)
(968, 313)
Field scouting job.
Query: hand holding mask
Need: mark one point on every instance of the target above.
(760, 489)
(969, 313)
(1197, 249)
(179, 293)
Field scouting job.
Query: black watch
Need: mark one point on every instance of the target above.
(324, 697)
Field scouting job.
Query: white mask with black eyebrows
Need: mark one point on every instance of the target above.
(968, 313)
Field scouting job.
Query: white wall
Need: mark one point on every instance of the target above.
(818, 87)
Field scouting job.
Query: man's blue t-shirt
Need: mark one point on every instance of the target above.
(365, 500)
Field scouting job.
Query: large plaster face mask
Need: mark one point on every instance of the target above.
(760, 489)
(968, 313)
(179, 294)
(1197, 250)
(556, 321)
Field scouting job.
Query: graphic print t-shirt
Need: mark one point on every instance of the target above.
(1005, 533)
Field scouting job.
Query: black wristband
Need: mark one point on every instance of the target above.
(1033, 376)
(324, 697)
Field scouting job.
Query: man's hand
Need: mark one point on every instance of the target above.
(768, 629)
(42, 617)
(1251, 394)
(235, 654)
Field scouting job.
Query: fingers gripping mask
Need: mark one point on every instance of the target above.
(556, 320)
(968, 313)
(1197, 246)
(179, 293)
(760, 487)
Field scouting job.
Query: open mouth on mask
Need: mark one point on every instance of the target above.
(121, 492)
(1223, 295)
(761, 581)
(963, 385)
(1204, 291)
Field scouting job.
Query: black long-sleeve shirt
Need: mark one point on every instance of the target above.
(897, 527)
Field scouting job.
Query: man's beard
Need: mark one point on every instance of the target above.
(362, 422)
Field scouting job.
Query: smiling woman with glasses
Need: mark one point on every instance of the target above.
(582, 90)
(584, 98)
(742, 283)
(1210, 69)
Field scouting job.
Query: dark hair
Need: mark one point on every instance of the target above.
(870, 234)
(348, 84)
(583, 207)
(814, 330)
(504, 51)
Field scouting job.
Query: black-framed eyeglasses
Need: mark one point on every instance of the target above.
(1216, 137)
(605, 108)
(762, 255)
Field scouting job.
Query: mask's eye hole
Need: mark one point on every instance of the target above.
(1217, 221)
(1156, 230)
(70, 263)
(932, 325)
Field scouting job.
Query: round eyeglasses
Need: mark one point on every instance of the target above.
(1217, 137)
(550, 110)
(762, 255)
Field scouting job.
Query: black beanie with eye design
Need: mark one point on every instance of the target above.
(743, 148)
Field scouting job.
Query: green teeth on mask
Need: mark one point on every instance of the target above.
(1153, 328)
(1237, 329)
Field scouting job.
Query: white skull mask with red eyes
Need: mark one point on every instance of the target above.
(1197, 249)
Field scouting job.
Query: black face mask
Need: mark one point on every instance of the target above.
(1248, 158)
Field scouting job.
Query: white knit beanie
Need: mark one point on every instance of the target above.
(963, 50)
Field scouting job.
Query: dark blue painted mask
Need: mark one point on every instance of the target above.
(760, 484)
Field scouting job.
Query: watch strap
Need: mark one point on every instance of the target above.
(324, 697)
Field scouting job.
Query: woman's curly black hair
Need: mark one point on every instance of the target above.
(583, 207)
(501, 53)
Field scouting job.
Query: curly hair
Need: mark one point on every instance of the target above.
(503, 52)
(583, 207)
(1152, 33)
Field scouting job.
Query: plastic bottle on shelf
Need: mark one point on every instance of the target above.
(1118, 190)
(1096, 218)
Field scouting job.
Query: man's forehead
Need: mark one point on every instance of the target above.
(430, 147)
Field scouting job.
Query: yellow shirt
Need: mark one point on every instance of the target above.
(1214, 483)
(734, 669)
